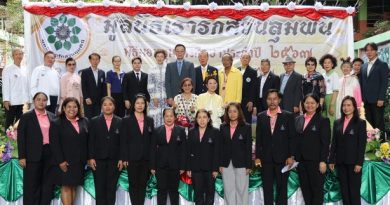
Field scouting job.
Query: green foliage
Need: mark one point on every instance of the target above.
(379, 27)
(387, 112)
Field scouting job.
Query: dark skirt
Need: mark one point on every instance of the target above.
(73, 177)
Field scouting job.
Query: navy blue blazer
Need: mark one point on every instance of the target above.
(374, 85)
(200, 84)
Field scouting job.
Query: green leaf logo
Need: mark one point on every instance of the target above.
(63, 32)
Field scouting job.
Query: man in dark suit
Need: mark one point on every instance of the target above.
(275, 147)
(135, 82)
(202, 71)
(266, 81)
(249, 76)
(35, 157)
(291, 87)
(374, 76)
(168, 158)
(176, 71)
(93, 85)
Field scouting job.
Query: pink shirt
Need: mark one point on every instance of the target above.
(307, 120)
(232, 130)
(168, 132)
(273, 118)
(108, 121)
(140, 123)
(75, 124)
(201, 134)
(346, 122)
(44, 124)
(70, 87)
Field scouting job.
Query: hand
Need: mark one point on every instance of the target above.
(215, 174)
(64, 166)
(125, 164)
(258, 163)
(22, 163)
(127, 104)
(331, 167)
(181, 172)
(296, 109)
(174, 106)
(192, 109)
(6, 104)
(289, 161)
(155, 102)
(357, 169)
(88, 101)
(249, 105)
(331, 110)
(120, 165)
(189, 174)
(248, 171)
(92, 164)
(322, 167)
(221, 170)
(170, 101)
(380, 103)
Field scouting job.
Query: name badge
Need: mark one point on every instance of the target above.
(351, 132)
(240, 137)
(248, 79)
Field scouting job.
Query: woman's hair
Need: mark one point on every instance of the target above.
(66, 102)
(315, 97)
(164, 52)
(169, 109)
(330, 57)
(140, 96)
(113, 58)
(311, 59)
(355, 108)
(210, 77)
(136, 58)
(209, 124)
(184, 81)
(69, 60)
(38, 93)
(346, 60)
(240, 119)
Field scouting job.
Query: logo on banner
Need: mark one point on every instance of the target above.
(65, 35)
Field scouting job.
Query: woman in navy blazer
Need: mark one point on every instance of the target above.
(68, 142)
(202, 157)
(313, 139)
(35, 156)
(136, 134)
(236, 155)
(103, 152)
(347, 150)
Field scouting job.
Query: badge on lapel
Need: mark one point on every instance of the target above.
(101, 80)
(248, 79)
(314, 128)
(149, 129)
(178, 138)
(210, 141)
(192, 155)
(351, 132)
(282, 128)
(117, 131)
(240, 137)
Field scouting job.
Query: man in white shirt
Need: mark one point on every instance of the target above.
(45, 78)
(15, 88)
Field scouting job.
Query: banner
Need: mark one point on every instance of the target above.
(274, 38)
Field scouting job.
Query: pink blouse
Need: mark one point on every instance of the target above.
(70, 87)
(140, 123)
(75, 124)
(44, 124)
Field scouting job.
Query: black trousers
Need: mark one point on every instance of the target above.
(119, 104)
(138, 174)
(12, 115)
(350, 184)
(167, 183)
(375, 116)
(53, 104)
(272, 172)
(38, 183)
(93, 110)
(106, 178)
(204, 187)
(312, 182)
(247, 115)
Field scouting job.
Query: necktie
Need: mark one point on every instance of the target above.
(137, 76)
(179, 65)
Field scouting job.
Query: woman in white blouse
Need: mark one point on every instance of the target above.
(211, 101)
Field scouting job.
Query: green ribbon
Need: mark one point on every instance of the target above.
(375, 183)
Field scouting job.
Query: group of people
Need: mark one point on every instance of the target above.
(135, 121)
